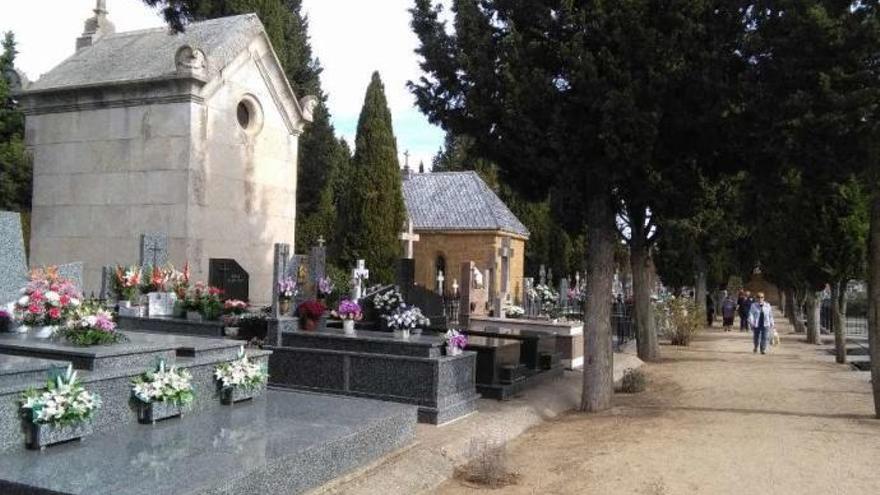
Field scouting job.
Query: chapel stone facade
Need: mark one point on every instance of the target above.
(192, 134)
(458, 219)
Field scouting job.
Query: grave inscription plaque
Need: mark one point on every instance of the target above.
(226, 274)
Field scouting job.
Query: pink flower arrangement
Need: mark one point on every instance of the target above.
(234, 306)
(47, 299)
(348, 310)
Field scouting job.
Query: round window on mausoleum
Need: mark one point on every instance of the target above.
(249, 114)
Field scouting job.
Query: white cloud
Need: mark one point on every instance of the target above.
(352, 38)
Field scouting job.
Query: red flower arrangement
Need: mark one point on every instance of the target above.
(311, 309)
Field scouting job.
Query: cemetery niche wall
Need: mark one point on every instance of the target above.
(192, 134)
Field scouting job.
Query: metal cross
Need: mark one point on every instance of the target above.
(409, 237)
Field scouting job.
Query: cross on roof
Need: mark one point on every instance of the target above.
(406, 159)
(409, 237)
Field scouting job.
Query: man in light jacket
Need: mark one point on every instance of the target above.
(761, 322)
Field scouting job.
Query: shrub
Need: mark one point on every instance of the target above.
(679, 318)
(634, 381)
(487, 465)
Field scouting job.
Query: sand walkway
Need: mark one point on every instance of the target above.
(716, 419)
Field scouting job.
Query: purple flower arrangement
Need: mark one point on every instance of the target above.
(325, 286)
(456, 339)
(348, 310)
(287, 288)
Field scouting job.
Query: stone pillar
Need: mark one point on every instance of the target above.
(279, 269)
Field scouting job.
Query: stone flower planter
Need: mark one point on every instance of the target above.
(229, 396)
(149, 413)
(194, 316)
(40, 436)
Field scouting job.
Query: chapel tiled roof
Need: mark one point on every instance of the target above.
(457, 201)
(149, 54)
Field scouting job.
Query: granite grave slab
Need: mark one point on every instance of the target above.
(288, 443)
(16, 371)
(171, 325)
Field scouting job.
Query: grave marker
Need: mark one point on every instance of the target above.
(409, 238)
(13, 264)
(154, 249)
(73, 272)
(358, 275)
(227, 275)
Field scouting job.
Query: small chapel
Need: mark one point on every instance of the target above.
(190, 134)
(454, 218)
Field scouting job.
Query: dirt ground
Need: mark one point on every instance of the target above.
(715, 419)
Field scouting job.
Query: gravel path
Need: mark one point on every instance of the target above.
(716, 419)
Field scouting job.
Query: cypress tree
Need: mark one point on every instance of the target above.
(372, 210)
(15, 165)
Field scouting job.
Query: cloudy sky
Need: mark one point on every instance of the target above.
(372, 35)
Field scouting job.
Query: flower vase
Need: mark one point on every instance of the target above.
(194, 315)
(452, 350)
(348, 327)
(308, 324)
(39, 436)
(416, 331)
(43, 331)
(284, 307)
(232, 395)
(402, 334)
(150, 412)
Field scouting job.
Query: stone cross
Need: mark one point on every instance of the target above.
(358, 275)
(542, 275)
(440, 280)
(406, 158)
(506, 253)
(154, 249)
(455, 287)
(550, 277)
(321, 240)
(409, 237)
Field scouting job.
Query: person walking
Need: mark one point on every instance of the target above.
(744, 304)
(728, 312)
(761, 322)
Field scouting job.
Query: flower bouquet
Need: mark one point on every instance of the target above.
(287, 290)
(202, 302)
(309, 313)
(406, 319)
(348, 311)
(234, 307)
(46, 302)
(388, 301)
(159, 288)
(91, 325)
(547, 296)
(514, 312)
(126, 285)
(325, 287)
(455, 342)
(162, 393)
(59, 412)
(241, 379)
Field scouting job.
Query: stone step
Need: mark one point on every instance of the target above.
(283, 442)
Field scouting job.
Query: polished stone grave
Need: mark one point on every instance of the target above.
(537, 349)
(170, 325)
(377, 365)
(287, 442)
(19, 370)
(108, 371)
(501, 373)
(141, 350)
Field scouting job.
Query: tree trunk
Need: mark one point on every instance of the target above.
(790, 303)
(813, 317)
(647, 346)
(874, 297)
(838, 320)
(700, 285)
(643, 316)
(798, 312)
(598, 384)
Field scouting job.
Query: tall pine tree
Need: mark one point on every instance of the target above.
(372, 212)
(15, 165)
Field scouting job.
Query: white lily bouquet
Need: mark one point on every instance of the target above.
(388, 301)
(164, 385)
(514, 312)
(407, 318)
(64, 401)
(241, 373)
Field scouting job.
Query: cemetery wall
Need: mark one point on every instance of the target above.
(461, 247)
(103, 176)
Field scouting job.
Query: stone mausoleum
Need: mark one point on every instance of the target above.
(191, 134)
(458, 218)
